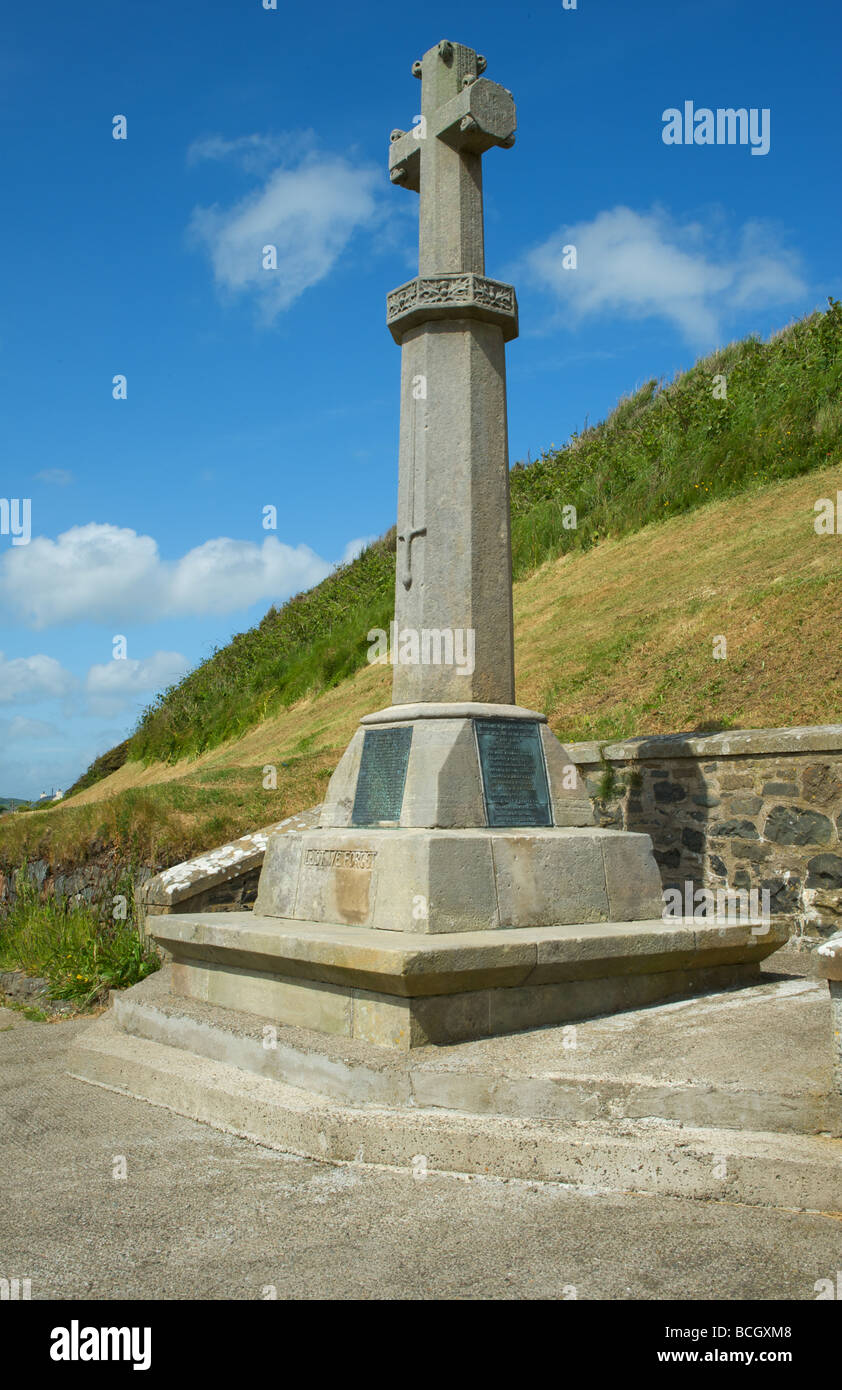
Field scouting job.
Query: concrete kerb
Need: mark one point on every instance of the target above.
(828, 958)
(551, 1074)
(784, 1170)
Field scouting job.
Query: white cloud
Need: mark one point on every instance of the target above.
(646, 265)
(103, 573)
(55, 477)
(253, 153)
(32, 678)
(355, 548)
(89, 573)
(225, 574)
(308, 212)
(114, 685)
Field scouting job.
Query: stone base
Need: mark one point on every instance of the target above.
(437, 881)
(405, 990)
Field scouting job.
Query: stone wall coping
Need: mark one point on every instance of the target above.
(829, 958)
(218, 865)
(731, 743)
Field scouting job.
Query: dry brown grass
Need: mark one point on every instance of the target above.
(613, 642)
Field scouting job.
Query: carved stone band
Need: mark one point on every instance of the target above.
(457, 295)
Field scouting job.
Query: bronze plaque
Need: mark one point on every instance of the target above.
(382, 775)
(514, 774)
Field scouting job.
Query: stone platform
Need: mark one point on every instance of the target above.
(455, 888)
(727, 1097)
(405, 990)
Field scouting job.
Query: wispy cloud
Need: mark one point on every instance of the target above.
(55, 477)
(254, 154)
(33, 678)
(307, 206)
(20, 727)
(108, 689)
(649, 265)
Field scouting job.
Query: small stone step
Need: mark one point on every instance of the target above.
(651, 1156)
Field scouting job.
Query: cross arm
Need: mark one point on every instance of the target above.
(481, 115)
(405, 159)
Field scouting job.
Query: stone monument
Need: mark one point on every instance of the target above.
(456, 885)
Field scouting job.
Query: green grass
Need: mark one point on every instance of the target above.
(101, 767)
(668, 448)
(169, 822)
(82, 952)
(665, 450)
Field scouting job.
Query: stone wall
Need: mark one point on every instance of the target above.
(95, 882)
(751, 809)
(223, 879)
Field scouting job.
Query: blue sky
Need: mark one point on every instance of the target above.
(248, 388)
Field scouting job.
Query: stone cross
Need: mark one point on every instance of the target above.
(454, 546)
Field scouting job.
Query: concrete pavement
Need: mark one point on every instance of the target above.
(201, 1214)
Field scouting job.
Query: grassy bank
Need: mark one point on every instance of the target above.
(612, 641)
(668, 449)
(665, 451)
(165, 823)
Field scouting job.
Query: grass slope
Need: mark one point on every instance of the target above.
(664, 451)
(613, 641)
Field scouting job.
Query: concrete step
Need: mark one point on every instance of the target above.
(618, 1154)
(757, 1058)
